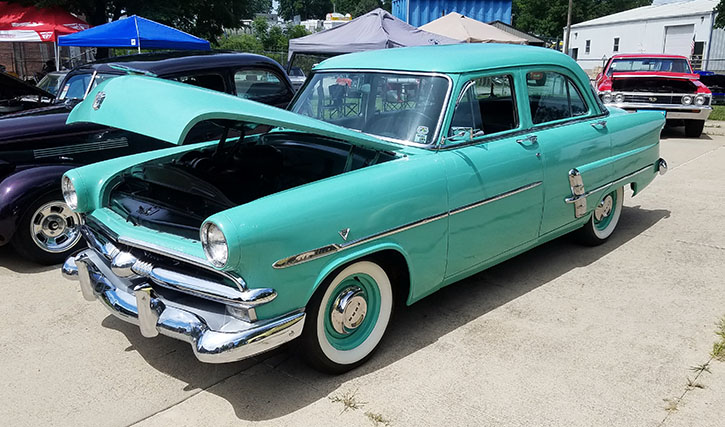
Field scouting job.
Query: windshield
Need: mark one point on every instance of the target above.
(672, 65)
(77, 85)
(50, 83)
(402, 107)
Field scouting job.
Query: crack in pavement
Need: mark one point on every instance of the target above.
(704, 245)
(687, 390)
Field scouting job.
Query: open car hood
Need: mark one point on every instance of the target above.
(168, 110)
(12, 87)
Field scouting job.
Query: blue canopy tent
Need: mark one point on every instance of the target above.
(135, 32)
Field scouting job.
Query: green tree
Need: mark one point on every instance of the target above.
(202, 18)
(310, 9)
(241, 43)
(720, 18)
(359, 7)
(548, 17)
(296, 31)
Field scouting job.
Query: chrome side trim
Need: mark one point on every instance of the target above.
(495, 198)
(581, 197)
(328, 249)
(108, 144)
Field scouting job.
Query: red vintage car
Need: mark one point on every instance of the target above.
(657, 82)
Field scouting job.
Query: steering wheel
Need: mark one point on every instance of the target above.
(403, 119)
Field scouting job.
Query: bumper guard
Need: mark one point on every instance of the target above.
(214, 335)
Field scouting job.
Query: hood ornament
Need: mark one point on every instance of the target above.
(344, 233)
(100, 97)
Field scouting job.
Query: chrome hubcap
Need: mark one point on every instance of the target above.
(604, 209)
(54, 227)
(349, 309)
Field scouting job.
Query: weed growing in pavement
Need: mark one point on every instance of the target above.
(349, 401)
(718, 348)
(671, 405)
(693, 384)
(377, 419)
(698, 369)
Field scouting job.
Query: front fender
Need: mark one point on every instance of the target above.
(355, 254)
(20, 189)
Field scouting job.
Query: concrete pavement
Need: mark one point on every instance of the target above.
(561, 335)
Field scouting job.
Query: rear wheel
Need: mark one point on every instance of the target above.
(347, 317)
(604, 219)
(693, 128)
(48, 232)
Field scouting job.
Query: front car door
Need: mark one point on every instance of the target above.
(494, 174)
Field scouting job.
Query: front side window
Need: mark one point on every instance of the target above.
(486, 107)
(553, 96)
(258, 84)
(402, 107)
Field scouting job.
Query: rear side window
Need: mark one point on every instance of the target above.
(486, 107)
(258, 84)
(553, 96)
(207, 81)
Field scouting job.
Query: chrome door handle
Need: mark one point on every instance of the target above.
(600, 124)
(531, 139)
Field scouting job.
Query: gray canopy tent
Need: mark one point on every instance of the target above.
(377, 29)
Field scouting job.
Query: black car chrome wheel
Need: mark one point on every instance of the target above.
(48, 232)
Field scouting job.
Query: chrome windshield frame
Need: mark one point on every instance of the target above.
(441, 116)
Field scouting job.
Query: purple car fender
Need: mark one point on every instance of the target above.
(19, 189)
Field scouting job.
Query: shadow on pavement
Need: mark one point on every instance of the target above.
(281, 384)
(679, 132)
(14, 262)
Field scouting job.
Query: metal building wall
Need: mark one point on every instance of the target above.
(421, 12)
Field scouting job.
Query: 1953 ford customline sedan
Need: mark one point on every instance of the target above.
(395, 173)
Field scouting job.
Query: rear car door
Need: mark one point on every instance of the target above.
(571, 128)
(494, 174)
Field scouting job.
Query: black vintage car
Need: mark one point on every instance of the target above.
(37, 147)
(17, 95)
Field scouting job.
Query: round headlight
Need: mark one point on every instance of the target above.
(214, 244)
(607, 97)
(69, 193)
(700, 100)
(687, 100)
(619, 98)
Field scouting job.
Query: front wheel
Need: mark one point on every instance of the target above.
(604, 219)
(347, 317)
(48, 232)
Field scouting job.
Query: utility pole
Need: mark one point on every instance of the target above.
(567, 36)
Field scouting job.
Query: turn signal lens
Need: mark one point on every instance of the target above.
(69, 193)
(214, 244)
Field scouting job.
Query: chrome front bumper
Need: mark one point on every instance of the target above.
(672, 111)
(214, 335)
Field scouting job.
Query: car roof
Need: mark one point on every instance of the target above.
(176, 62)
(456, 58)
(647, 55)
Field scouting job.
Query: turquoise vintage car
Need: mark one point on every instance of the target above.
(394, 173)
